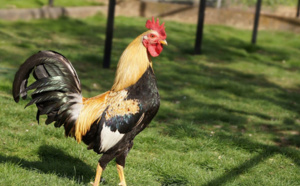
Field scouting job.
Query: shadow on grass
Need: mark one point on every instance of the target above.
(264, 152)
(172, 179)
(55, 161)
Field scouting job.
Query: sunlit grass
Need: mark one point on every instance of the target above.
(4, 4)
(229, 116)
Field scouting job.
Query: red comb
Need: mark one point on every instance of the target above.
(152, 25)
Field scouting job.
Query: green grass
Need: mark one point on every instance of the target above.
(227, 117)
(5, 4)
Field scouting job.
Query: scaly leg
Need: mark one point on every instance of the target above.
(120, 160)
(121, 175)
(103, 161)
(98, 175)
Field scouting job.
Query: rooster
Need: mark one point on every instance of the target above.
(109, 122)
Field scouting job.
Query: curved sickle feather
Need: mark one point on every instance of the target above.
(42, 57)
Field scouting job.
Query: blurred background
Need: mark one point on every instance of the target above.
(275, 14)
(230, 116)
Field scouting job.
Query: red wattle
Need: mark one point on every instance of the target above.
(155, 49)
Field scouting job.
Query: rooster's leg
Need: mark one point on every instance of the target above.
(120, 160)
(98, 175)
(121, 175)
(104, 160)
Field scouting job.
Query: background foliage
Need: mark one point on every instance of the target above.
(41, 3)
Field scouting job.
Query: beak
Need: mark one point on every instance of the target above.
(164, 42)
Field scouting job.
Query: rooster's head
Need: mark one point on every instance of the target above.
(155, 38)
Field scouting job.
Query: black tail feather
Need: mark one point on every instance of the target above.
(57, 90)
(36, 62)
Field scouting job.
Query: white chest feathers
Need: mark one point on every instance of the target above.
(109, 138)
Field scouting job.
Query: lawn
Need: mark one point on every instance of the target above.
(227, 117)
(4, 4)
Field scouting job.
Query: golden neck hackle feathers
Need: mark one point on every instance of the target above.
(132, 64)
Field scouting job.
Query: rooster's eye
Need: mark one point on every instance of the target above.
(152, 35)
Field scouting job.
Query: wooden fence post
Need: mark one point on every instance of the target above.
(199, 33)
(109, 33)
(256, 21)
